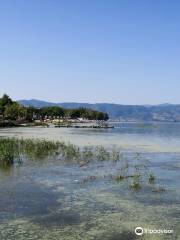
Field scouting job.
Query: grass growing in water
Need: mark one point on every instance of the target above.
(151, 178)
(135, 173)
(14, 150)
(102, 154)
(8, 152)
(136, 184)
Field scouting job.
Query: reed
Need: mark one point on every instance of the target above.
(8, 152)
(14, 150)
(136, 173)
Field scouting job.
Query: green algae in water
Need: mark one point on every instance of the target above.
(97, 209)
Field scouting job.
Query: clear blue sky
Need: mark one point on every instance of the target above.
(121, 51)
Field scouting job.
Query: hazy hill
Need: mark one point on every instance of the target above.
(162, 112)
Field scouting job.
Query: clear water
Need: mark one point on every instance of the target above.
(55, 200)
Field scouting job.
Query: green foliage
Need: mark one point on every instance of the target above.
(8, 152)
(151, 178)
(115, 155)
(17, 151)
(11, 110)
(87, 153)
(120, 178)
(136, 185)
(136, 173)
(32, 113)
(86, 114)
(52, 112)
(15, 111)
(12, 149)
(4, 102)
(102, 154)
(8, 124)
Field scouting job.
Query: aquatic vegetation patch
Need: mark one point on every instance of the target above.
(136, 185)
(87, 152)
(136, 173)
(152, 178)
(8, 152)
(59, 219)
(102, 154)
(89, 178)
(15, 150)
(27, 199)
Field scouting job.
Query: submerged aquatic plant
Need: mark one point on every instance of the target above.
(71, 152)
(102, 154)
(116, 155)
(89, 178)
(87, 153)
(136, 173)
(136, 183)
(136, 186)
(151, 178)
(123, 171)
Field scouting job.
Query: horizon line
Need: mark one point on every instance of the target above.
(54, 102)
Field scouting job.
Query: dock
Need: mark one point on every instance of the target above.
(78, 126)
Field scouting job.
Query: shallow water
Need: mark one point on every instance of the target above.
(151, 137)
(56, 200)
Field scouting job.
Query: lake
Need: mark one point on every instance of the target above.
(52, 199)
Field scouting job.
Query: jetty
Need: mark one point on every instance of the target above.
(83, 126)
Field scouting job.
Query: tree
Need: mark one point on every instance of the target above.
(15, 112)
(86, 114)
(74, 113)
(32, 113)
(51, 112)
(4, 102)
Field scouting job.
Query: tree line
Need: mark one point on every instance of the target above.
(11, 110)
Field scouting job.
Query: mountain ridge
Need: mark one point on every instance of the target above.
(162, 112)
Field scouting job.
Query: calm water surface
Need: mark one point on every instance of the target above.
(55, 200)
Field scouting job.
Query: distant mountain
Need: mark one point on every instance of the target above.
(163, 112)
(165, 104)
(36, 103)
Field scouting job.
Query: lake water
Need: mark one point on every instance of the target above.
(56, 200)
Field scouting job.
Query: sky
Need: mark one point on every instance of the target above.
(113, 51)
